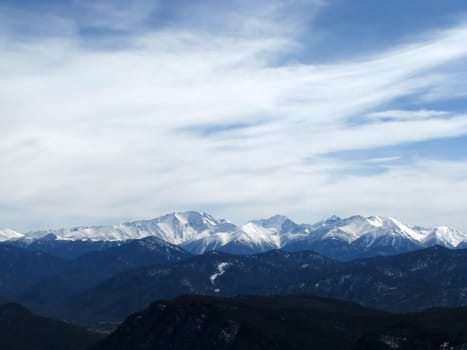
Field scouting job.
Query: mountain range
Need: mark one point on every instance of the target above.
(97, 276)
(198, 232)
(408, 282)
(413, 281)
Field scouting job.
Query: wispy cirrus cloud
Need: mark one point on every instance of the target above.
(407, 114)
(218, 116)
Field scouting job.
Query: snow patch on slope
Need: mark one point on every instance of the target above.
(259, 235)
(221, 268)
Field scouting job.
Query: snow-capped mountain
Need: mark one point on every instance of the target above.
(357, 236)
(371, 228)
(6, 234)
(198, 232)
(444, 236)
(342, 238)
(175, 228)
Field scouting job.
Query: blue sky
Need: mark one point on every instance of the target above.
(119, 110)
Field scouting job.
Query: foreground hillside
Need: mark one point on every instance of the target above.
(299, 322)
(23, 330)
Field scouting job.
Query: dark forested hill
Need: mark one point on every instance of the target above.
(409, 282)
(286, 322)
(211, 274)
(90, 269)
(21, 268)
(22, 330)
(413, 281)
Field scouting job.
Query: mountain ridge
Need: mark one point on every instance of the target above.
(198, 232)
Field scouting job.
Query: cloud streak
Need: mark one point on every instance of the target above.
(190, 116)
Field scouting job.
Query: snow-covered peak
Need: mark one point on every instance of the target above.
(118, 232)
(445, 236)
(256, 233)
(396, 227)
(331, 221)
(348, 229)
(376, 221)
(174, 228)
(6, 234)
(277, 223)
(352, 228)
(194, 219)
(333, 218)
(177, 228)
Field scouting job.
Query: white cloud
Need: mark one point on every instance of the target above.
(94, 135)
(407, 115)
(383, 159)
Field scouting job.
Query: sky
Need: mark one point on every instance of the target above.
(113, 111)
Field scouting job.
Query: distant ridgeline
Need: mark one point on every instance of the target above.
(198, 232)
